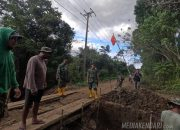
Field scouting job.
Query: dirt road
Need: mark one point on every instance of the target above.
(142, 99)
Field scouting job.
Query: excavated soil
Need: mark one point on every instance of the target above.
(119, 109)
(141, 99)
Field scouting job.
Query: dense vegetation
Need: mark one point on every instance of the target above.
(108, 68)
(41, 25)
(158, 38)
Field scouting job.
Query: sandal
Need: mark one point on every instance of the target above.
(38, 122)
(22, 128)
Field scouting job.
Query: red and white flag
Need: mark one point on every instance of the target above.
(113, 40)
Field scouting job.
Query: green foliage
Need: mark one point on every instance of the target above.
(142, 10)
(156, 37)
(41, 25)
(107, 67)
(74, 69)
(163, 71)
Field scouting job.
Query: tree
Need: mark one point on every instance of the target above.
(107, 67)
(40, 25)
(105, 49)
(156, 37)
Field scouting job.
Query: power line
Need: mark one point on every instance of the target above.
(74, 6)
(85, 3)
(96, 28)
(78, 4)
(76, 17)
(100, 24)
(96, 20)
(69, 11)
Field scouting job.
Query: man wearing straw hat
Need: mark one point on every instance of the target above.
(34, 83)
(171, 117)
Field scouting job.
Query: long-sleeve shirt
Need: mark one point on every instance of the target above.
(62, 72)
(92, 75)
(35, 78)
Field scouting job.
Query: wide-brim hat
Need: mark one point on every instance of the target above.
(175, 101)
(46, 49)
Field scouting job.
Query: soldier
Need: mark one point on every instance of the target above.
(62, 76)
(120, 80)
(137, 78)
(171, 118)
(130, 78)
(92, 79)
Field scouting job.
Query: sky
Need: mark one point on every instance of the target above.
(109, 17)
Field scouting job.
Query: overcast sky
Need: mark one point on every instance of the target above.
(112, 16)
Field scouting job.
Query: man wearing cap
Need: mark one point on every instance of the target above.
(92, 79)
(171, 118)
(8, 39)
(34, 83)
(62, 76)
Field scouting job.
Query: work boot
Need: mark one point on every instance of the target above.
(95, 94)
(59, 91)
(62, 91)
(90, 93)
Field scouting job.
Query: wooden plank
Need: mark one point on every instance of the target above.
(54, 116)
(20, 104)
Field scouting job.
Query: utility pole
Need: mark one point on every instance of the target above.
(86, 15)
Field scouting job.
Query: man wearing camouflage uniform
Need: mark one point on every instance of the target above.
(120, 80)
(92, 79)
(62, 76)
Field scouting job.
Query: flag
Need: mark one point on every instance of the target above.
(113, 40)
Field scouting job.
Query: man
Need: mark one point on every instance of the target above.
(62, 75)
(8, 40)
(171, 118)
(92, 79)
(120, 80)
(34, 83)
(137, 78)
(130, 78)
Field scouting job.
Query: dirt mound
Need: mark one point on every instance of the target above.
(141, 99)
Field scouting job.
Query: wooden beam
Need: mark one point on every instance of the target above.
(52, 97)
(54, 116)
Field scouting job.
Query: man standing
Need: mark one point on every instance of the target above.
(8, 39)
(34, 83)
(137, 78)
(171, 118)
(92, 79)
(62, 75)
(120, 80)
